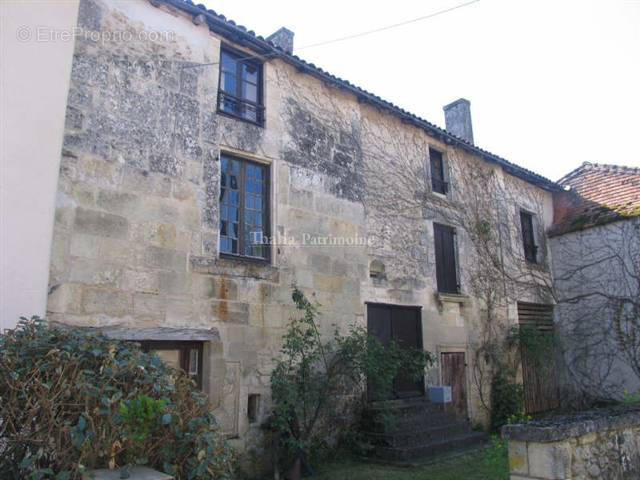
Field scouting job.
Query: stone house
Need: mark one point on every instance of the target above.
(205, 170)
(595, 242)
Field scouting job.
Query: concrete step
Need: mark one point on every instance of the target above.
(419, 421)
(417, 437)
(452, 444)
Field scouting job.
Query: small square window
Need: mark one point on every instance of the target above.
(253, 407)
(186, 356)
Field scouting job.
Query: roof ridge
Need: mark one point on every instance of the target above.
(449, 137)
(603, 167)
(611, 166)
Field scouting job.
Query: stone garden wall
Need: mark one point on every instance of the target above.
(590, 447)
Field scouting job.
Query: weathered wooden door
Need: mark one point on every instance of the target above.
(402, 325)
(454, 374)
(540, 384)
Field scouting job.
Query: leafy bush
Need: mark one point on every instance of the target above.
(72, 400)
(507, 401)
(495, 458)
(318, 386)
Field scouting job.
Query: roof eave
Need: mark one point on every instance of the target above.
(262, 46)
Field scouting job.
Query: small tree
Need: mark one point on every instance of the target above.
(318, 385)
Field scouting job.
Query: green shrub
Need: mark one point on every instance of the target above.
(507, 401)
(495, 458)
(72, 400)
(317, 385)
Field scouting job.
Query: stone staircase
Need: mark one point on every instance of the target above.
(403, 430)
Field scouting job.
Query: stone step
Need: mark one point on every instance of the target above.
(404, 406)
(456, 443)
(412, 438)
(414, 422)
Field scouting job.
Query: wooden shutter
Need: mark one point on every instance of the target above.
(446, 272)
(540, 387)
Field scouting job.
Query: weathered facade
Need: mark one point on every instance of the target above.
(137, 242)
(595, 242)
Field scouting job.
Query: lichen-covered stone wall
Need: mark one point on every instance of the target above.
(585, 449)
(136, 240)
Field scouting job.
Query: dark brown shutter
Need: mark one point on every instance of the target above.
(446, 274)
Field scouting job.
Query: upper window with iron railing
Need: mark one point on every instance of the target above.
(240, 92)
(438, 183)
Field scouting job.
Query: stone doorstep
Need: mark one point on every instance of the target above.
(136, 473)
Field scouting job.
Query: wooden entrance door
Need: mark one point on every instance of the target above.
(402, 325)
(454, 374)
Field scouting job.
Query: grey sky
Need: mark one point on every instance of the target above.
(551, 83)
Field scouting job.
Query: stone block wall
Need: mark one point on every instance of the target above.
(135, 241)
(602, 446)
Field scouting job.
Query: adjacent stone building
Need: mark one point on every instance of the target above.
(595, 241)
(205, 170)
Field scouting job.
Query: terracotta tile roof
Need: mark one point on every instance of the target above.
(240, 34)
(597, 194)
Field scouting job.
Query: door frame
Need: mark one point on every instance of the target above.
(457, 348)
(418, 308)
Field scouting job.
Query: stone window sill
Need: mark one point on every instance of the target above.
(453, 298)
(234, 267)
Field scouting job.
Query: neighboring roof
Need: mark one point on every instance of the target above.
(241, 35)
(597, 194)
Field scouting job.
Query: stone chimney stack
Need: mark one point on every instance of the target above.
(457, 117)
(282, 38)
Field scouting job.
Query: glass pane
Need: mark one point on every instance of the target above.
(250, 92)
(250, 72)
(170, 357)
(250, 113)
(224, 245)
(228, 62)
(228, 83)
(193, 361)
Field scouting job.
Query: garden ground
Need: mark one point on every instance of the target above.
(488, 464)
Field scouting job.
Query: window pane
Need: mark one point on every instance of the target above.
(250, 92)
(228, 83)
(170, 357)
(250, 112)
(193, 361)
(250, 72)
(228, 62)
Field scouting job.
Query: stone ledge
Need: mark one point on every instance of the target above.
(232, 267)
(453, 298)
(562, 429)
(117, 332)
(163, 333)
